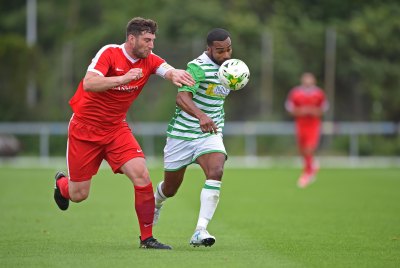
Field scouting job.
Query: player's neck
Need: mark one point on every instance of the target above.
(307, 87)
(211, 58)
(128, 50)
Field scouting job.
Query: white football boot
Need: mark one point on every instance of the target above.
(202, 238)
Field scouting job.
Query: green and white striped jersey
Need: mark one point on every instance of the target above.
(208, 95)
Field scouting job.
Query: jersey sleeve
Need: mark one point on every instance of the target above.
(324, 101)
(159, 66)
(163, 69)
(101, 63)
(289, 103)
(198, 75)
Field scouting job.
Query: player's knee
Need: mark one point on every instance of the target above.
(140, 178)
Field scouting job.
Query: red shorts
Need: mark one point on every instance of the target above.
(89, 145)
(308, 137)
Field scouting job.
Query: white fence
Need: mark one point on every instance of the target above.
(248, 130)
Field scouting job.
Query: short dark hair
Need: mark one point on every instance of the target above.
(217, 34)
(138, 25)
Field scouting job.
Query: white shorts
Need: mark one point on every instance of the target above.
(181, 153)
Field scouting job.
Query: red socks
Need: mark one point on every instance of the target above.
(144, 205)
(63, 186)
(308, 163)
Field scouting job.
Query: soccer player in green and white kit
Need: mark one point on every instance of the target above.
(195, 134)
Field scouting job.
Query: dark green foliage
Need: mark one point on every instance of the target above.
(71, 32)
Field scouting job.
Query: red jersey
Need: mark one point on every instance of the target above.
(302, 97)
(108, 108)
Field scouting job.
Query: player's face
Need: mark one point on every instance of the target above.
(308, 80)
(220, 51)
(142, 45)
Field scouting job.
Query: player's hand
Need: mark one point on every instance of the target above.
(315, 111)
(132, 74)
(181, 77)
(303, 111)
(207, 125)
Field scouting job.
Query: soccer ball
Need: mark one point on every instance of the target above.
(233, 74)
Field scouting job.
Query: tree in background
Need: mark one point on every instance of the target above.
(69, 32)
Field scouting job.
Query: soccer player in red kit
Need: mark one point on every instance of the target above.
(307, 103)
(98, 129)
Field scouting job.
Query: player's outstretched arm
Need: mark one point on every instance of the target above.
(184, 100)
(180, 77)
(97, 83)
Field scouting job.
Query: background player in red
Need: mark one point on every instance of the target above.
(307, 103)
(98, 129)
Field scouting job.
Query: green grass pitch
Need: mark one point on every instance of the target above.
(348, 218)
